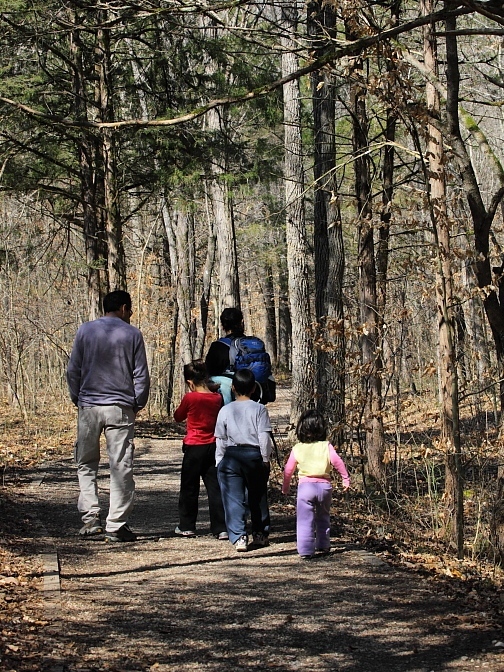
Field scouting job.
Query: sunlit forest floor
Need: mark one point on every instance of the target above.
(402, 527)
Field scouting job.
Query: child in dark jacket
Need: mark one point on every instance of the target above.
(313, 457)
(199, 408)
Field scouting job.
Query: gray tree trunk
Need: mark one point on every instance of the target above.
(303, 364)
(328, 234)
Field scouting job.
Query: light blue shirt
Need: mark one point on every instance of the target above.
(243, 422)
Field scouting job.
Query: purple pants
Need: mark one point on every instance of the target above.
(313, 518)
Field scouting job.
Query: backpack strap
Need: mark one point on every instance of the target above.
(233, 345)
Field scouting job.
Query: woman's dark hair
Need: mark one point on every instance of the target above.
(311, 427)
(244, 382)
(231, 320)
(196, 372)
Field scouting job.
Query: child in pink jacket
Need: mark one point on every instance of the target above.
(313, 457)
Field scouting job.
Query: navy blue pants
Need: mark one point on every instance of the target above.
(243, 481)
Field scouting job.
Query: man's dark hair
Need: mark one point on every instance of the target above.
(231, 320)
(311, 427)
(244, 382)
(113, 301)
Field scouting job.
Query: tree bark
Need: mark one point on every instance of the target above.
(328, 234)
(216, 121)
(106, 169)
(448, 390)
(303, 365)
(371, 356)
(86, 148)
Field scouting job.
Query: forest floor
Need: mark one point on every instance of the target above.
(166, 603)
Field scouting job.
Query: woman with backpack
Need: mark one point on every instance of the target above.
(236, 351)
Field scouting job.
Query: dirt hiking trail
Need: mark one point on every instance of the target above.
(167, 603)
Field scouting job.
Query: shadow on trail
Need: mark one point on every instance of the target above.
(181, 604)
(154, 567)
(330, 622)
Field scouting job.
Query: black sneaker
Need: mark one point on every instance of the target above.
(122, 534)
(260, 540)
(92, 528)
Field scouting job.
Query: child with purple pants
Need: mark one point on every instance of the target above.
(313, 457)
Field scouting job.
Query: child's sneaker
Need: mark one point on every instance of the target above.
(261, 540)
(184, 533)
(223, 536)
(241, 544)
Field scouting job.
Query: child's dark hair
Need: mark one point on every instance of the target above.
(311, 427)
(196, 372)
(244, 382)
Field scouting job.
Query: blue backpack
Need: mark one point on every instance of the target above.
(248, 352)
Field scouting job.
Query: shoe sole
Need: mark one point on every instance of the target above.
(91, 533)
(115, 540)
(186, 536)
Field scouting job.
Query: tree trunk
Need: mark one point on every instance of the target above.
(265, 281)
(86, 148)
(216, 121)
(328, 234)
(371, 357)
(206, 290)
(448, 390)
(482, 221)
(106, 170)
(303, 368)
(177, 231)
(382, 249)
(284, 338)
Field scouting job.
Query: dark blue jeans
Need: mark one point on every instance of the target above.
(242, 474)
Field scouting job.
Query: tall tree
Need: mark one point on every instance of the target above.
(436, 181)
(371, 355)
(328, 234)
(303, 373)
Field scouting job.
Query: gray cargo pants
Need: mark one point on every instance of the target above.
(118, 425)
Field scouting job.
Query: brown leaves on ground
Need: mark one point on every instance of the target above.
(25, 443)
(22, 641)
(400, 529)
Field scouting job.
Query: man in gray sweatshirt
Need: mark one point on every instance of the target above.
(109, 382)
